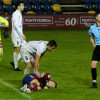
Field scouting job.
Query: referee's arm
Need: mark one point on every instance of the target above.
(92, 37)
(92, 40)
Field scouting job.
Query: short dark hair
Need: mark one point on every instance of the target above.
(52, 43)
(18, 3)
(96, 14)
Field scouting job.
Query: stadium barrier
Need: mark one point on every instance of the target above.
(55, 21)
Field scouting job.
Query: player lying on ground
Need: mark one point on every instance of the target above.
(31, 82)
(6, 35)
(32, 51)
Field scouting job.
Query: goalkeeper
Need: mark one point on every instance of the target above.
(5, 34)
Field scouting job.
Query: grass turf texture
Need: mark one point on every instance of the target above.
(69, 65)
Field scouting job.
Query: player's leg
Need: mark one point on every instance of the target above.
(1, 52)
(16, 43)
(19, 56)
(26, 59)
(94, 73)
(27, 69)
(15, 58)
(22, 43)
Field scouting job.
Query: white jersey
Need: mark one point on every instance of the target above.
(17, 27)
(35, 47)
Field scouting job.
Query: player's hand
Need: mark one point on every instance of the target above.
(94, 45)
(42, 74)
(24, 37)
(38, 74)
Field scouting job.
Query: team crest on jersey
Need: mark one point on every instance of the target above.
(26, 57)
(17, 42)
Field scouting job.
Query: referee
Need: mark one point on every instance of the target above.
(5, 33)
(94, 33)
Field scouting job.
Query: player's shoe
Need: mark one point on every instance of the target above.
(28, 90)
(23, 89)
(17, 69)
(94, 85)
(12, 63)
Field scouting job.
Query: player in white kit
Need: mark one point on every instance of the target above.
(32, 51)
(18, 38)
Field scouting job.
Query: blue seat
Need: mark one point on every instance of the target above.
(96, 1)
(15, 1)
(35, 2)
(58, 12)
(89, 7)
(49, 12)
(47, 9)
(1, 9)
(54, 1)
(9, 9)
(26, 2)
(38, 9)
(28, 8)
(45, 2)
(86, 1)
(97, 8)
(0, 2)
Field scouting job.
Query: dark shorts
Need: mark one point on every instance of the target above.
(96, 54)
(27, 79)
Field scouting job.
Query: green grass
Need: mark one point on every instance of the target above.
(69, 65)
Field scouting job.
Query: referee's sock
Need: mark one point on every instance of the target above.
(94, 74)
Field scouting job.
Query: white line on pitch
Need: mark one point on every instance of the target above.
(17, 90)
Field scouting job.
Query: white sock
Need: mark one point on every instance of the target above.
(15, 55)
(19, 56)
(26, 71)
(94, 81)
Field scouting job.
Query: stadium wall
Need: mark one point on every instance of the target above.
(55, 21)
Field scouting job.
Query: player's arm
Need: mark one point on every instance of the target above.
(91, 37)
(40, 51)
(3, 20)
(37, 58)
(92, 40)
(17, 27)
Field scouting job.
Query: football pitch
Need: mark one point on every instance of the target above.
(69, 65)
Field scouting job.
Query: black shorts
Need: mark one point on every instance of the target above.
(96, 54)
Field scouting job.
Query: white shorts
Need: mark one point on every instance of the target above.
(17, 41)
(26, 56)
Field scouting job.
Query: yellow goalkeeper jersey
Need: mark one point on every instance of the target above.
(3, 20)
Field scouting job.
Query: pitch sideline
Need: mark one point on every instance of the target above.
(17, 90)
